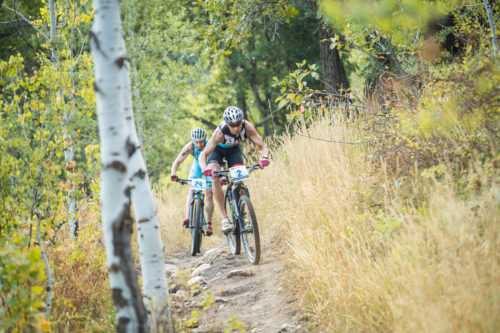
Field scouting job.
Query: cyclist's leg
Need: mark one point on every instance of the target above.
(234, 157)
(209, 204)
(189, 197)
(214, 162)
(195, 172)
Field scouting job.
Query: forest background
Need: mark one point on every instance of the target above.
(399, 111)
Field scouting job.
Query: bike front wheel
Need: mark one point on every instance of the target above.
(196, 227)
(233, 237)
(249, 229)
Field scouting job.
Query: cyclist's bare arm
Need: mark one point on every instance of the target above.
(256, 138)
(216, 138)
(188, 149)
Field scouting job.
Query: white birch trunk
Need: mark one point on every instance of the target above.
(52, 12)
(137, 96)
(68, 156)
(47, 266)
(109, 55)
(148, 231)
(68, 151)
(493, 29)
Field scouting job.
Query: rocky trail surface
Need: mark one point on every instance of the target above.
(253, 294)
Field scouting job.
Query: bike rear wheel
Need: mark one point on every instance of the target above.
(249, 229)
(233, 237)
(196, 229)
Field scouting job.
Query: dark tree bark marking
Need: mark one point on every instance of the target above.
(122, 229)
(141, 174)
(130, 147)
(122, 324)
(118, 299)
(117, 165)
(120, 62)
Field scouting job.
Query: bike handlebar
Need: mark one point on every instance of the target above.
(252, 168)
(183, 181)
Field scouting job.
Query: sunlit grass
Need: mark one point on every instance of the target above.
(365, 251)
(367, 254)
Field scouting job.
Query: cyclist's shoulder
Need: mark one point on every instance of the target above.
(188, 147)
(249, 127)
(218, 133)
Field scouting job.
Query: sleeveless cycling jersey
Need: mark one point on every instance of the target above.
(231, 140)
(196, 151)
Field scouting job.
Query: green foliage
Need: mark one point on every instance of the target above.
(232, 21)
(32, 148)
(234, 325)
(34, 175)
(297, 96)
(40, 99)
(20, 291)
(402, 20)
(18, 36)
(166, 70)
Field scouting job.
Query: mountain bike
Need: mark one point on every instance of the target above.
(197, 223)
(241, 213)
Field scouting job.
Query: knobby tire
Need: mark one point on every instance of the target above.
(196, 231)
(233, 237)
(251, 238)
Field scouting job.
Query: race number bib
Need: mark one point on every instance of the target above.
(198, 184)
(239, 173)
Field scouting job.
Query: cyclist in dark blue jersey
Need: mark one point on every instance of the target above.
(225, 143)
(195, 147)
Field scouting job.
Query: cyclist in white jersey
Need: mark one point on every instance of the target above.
(225, 144)
(195, 147)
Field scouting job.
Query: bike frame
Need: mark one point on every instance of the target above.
(235, 189)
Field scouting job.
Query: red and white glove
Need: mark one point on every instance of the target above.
(208, 172)
(264, 162)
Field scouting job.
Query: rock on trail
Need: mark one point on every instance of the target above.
(252, 294)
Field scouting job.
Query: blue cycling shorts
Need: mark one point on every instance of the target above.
(196, 172)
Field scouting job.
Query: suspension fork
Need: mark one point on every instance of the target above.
(237, 191)
(196, 195)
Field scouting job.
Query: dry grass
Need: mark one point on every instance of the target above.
(367, 255)
(365, 252)
(82, 299)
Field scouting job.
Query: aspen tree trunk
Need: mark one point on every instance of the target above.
(137, 95)
(148, 231)
(109, 55)
(47, 265)
(491, 20)
(68, 149)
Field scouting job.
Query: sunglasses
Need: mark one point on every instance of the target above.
(236, 124)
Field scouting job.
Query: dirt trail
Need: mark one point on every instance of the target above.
(254, 294)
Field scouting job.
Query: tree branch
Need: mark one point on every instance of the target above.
(26, 20)
(205, 122)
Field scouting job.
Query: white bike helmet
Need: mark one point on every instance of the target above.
(198, 134)
(232, 114)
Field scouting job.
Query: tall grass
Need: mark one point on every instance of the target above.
(366, 252)
(82, 299)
